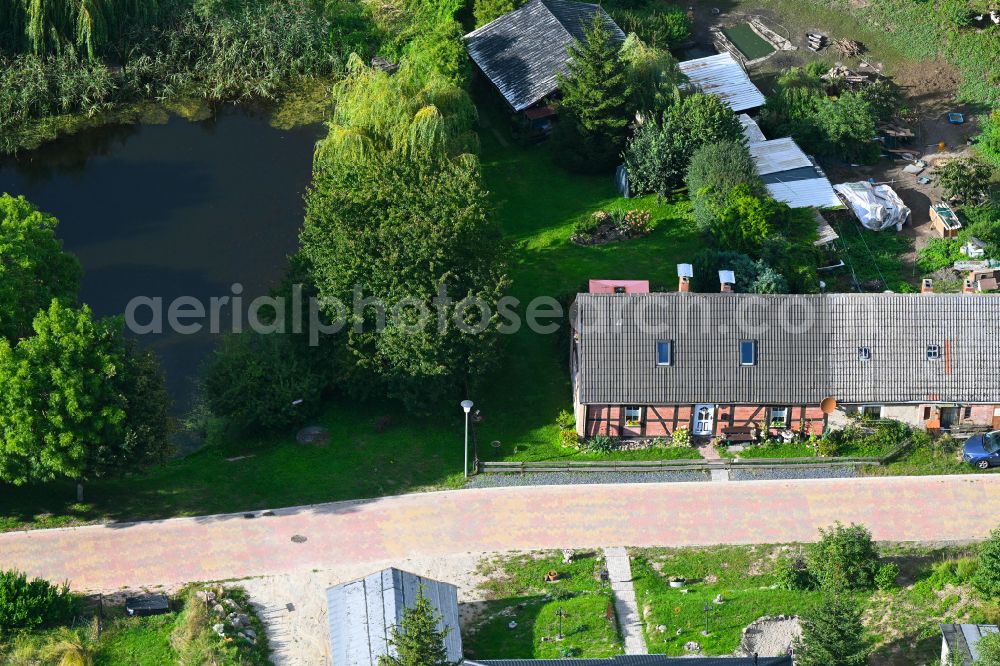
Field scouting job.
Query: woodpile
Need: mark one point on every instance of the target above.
(846, 74)
(848, 47)
(816, 41)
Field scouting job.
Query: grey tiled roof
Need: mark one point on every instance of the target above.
(807, 348)
(522, 51)
(639, 660)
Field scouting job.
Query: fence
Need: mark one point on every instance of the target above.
(692, 465)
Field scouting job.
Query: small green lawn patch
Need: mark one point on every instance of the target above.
(750, 44)
(521, 596)
(742, 575)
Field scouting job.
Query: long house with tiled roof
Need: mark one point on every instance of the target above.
(646, 364)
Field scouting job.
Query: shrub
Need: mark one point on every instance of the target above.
(661, 29)
(885, 577)
(833, 635)
(565, 419)
(844, 558)
(586, 226)
(792, 574)
(681, 437)
(965, 178)
(987, 576)
(568, 438)
(32, 604)
(952, 572)
(600, 444)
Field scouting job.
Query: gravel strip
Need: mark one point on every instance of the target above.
(574, 478)
(780, 473)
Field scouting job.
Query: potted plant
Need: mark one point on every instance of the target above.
(676, 582)
(552, 576)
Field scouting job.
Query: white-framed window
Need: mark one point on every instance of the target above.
(748, 352)
(864, 353)
(633, 416)
(779, 417)
(665, 352)
(933, 352)
(870, 412)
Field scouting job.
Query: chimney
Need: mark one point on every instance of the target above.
(927, 286)
(968, 287)
(726, 279)
(684, 273)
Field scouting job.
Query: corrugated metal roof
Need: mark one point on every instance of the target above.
(807, 348)
(778, 155)
(751, 130)
(824, 232)
(522, 51)
(362, 613)
(815, 192)
(722, 76)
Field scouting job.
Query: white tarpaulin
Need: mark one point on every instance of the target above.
(877, 206)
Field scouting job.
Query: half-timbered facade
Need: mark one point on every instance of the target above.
(645, 365)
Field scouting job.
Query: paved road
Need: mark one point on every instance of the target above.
(438, 524)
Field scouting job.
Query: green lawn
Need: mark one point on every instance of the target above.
(750, 44)
(518, 593)
(903, 622)
(795, 450)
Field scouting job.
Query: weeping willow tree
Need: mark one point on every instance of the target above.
(47, 26)
(653, 75)
(411, 112)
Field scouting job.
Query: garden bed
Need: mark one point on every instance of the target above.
(749, 43)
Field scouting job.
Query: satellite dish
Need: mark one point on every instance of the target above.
(828, 405)
(685, 270)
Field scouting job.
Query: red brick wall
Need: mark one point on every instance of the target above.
(662, 420)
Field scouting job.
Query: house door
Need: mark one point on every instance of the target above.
(704, 420)
(949, 417)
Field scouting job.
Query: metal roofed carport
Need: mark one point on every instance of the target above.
(363, 612)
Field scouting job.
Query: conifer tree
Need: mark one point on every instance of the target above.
(833, 636)
(595, 100)
(417, 641)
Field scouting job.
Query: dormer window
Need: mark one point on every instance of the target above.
(864, 353)
(665, 352)
(933, 352)
(748, 352)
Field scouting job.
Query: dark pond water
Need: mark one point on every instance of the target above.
(180, 209)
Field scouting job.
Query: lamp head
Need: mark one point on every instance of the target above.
(467, 405)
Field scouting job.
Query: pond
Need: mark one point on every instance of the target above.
(171, 210)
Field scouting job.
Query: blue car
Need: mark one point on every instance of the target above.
(983, 451)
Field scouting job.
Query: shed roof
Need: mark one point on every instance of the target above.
(722, 76)
(522, 51)
(362, 613)
(963, 639)
(751, 130)
(790, 175)
(807, 348)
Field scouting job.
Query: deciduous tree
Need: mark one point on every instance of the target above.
(965, 178)
(34, 269)
(401, 230)
(78, 400)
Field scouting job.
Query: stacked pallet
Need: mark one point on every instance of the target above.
(816, 40)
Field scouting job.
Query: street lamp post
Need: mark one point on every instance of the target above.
(467, 407)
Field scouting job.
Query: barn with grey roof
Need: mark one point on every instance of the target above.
(644, 365)
(523, 51)
(362, 613)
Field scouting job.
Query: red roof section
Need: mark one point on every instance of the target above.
(609, 286)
